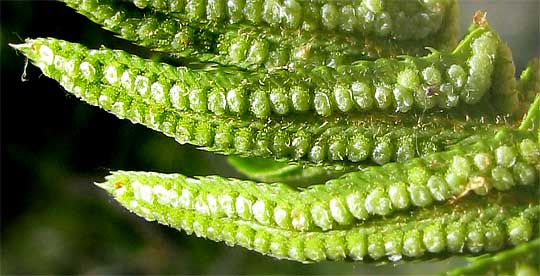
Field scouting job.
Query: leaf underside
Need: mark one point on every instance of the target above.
(376, 151)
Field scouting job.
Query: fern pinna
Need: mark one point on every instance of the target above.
(418, 154)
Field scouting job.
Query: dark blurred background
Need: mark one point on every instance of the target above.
(53, 147)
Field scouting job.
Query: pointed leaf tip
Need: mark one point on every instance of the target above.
(21, 46)
(107, 186)
(531, 122)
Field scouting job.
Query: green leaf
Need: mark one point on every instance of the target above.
(473, 225)
(270, 171)
(189, 33)
(417, 157)
(521, 260)
(205, 107)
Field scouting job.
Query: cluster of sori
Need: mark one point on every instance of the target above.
(420, 154)
(268, 33)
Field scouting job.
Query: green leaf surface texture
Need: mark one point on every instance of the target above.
(249, 45)
(337, 140)
(366, 131)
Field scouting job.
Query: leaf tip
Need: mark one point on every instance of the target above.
(107, 186)
(27, 48)
(22, 46)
